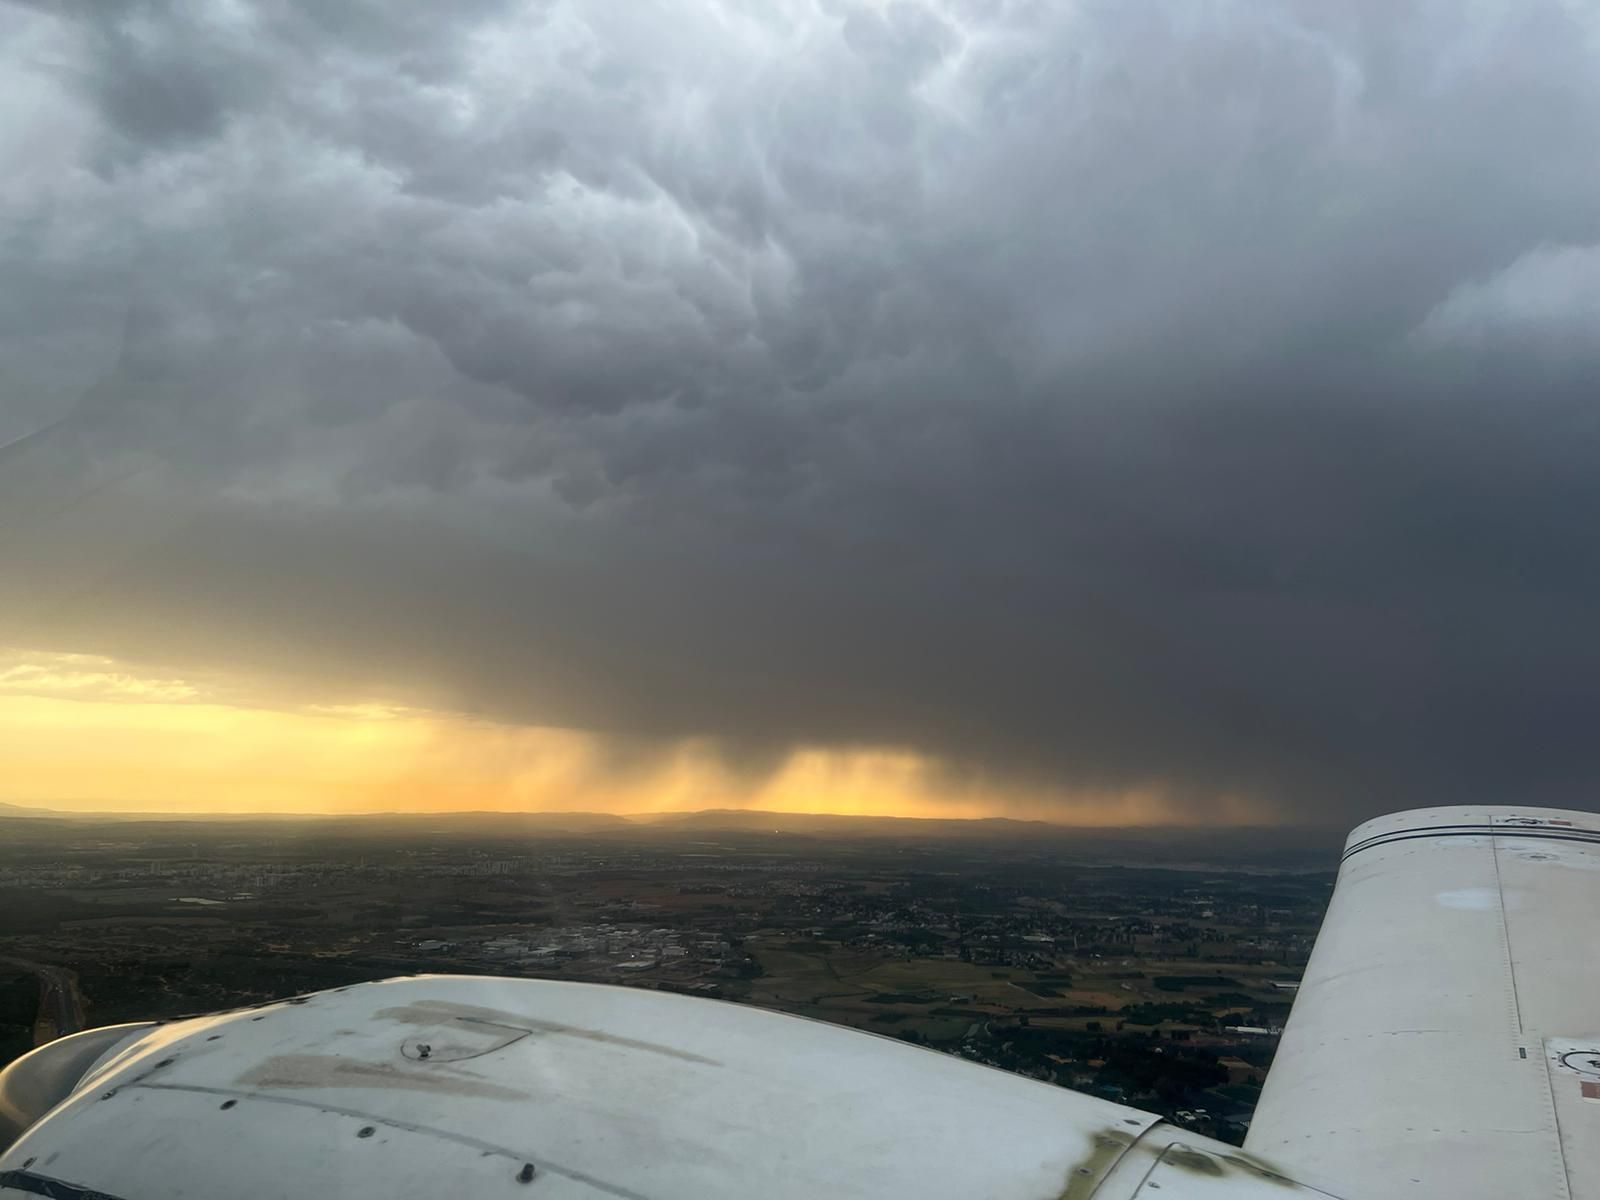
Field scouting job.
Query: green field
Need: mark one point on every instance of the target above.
(940, 998)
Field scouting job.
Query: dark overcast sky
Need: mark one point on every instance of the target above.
(1106, 395)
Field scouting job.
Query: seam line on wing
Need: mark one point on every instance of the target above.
(543, 1163)
(1505, 933)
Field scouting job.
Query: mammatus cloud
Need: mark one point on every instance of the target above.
(1079, 398)
(1550, 295)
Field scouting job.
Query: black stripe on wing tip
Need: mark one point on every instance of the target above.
(1545, 833)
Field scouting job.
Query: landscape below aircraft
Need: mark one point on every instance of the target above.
(1445, 1042)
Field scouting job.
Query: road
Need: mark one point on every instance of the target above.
(60, 1002)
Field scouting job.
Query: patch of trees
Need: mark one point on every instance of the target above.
(1176, 983)
(1154, 1014)
(917, 939)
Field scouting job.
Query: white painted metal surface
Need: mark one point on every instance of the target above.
(1168, 1163)
(39, 1080)
(1437, 1043)
(1198, 1169)
(456, 1086)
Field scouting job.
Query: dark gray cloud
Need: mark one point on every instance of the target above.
(1102, 396)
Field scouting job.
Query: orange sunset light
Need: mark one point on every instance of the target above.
(85, 732)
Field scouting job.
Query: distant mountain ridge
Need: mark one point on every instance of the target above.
(573, 821)
(1298, 847)
(688, 824)
(709, 820)
(758, 820)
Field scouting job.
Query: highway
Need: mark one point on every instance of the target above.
(60, 1002)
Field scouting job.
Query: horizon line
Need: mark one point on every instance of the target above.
(640, 818)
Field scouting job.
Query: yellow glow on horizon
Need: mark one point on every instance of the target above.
(80, 732)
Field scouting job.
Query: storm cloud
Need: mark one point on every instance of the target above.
(1185, 396)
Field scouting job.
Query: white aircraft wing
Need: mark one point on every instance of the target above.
(443, 1086)
(1445, 1040)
